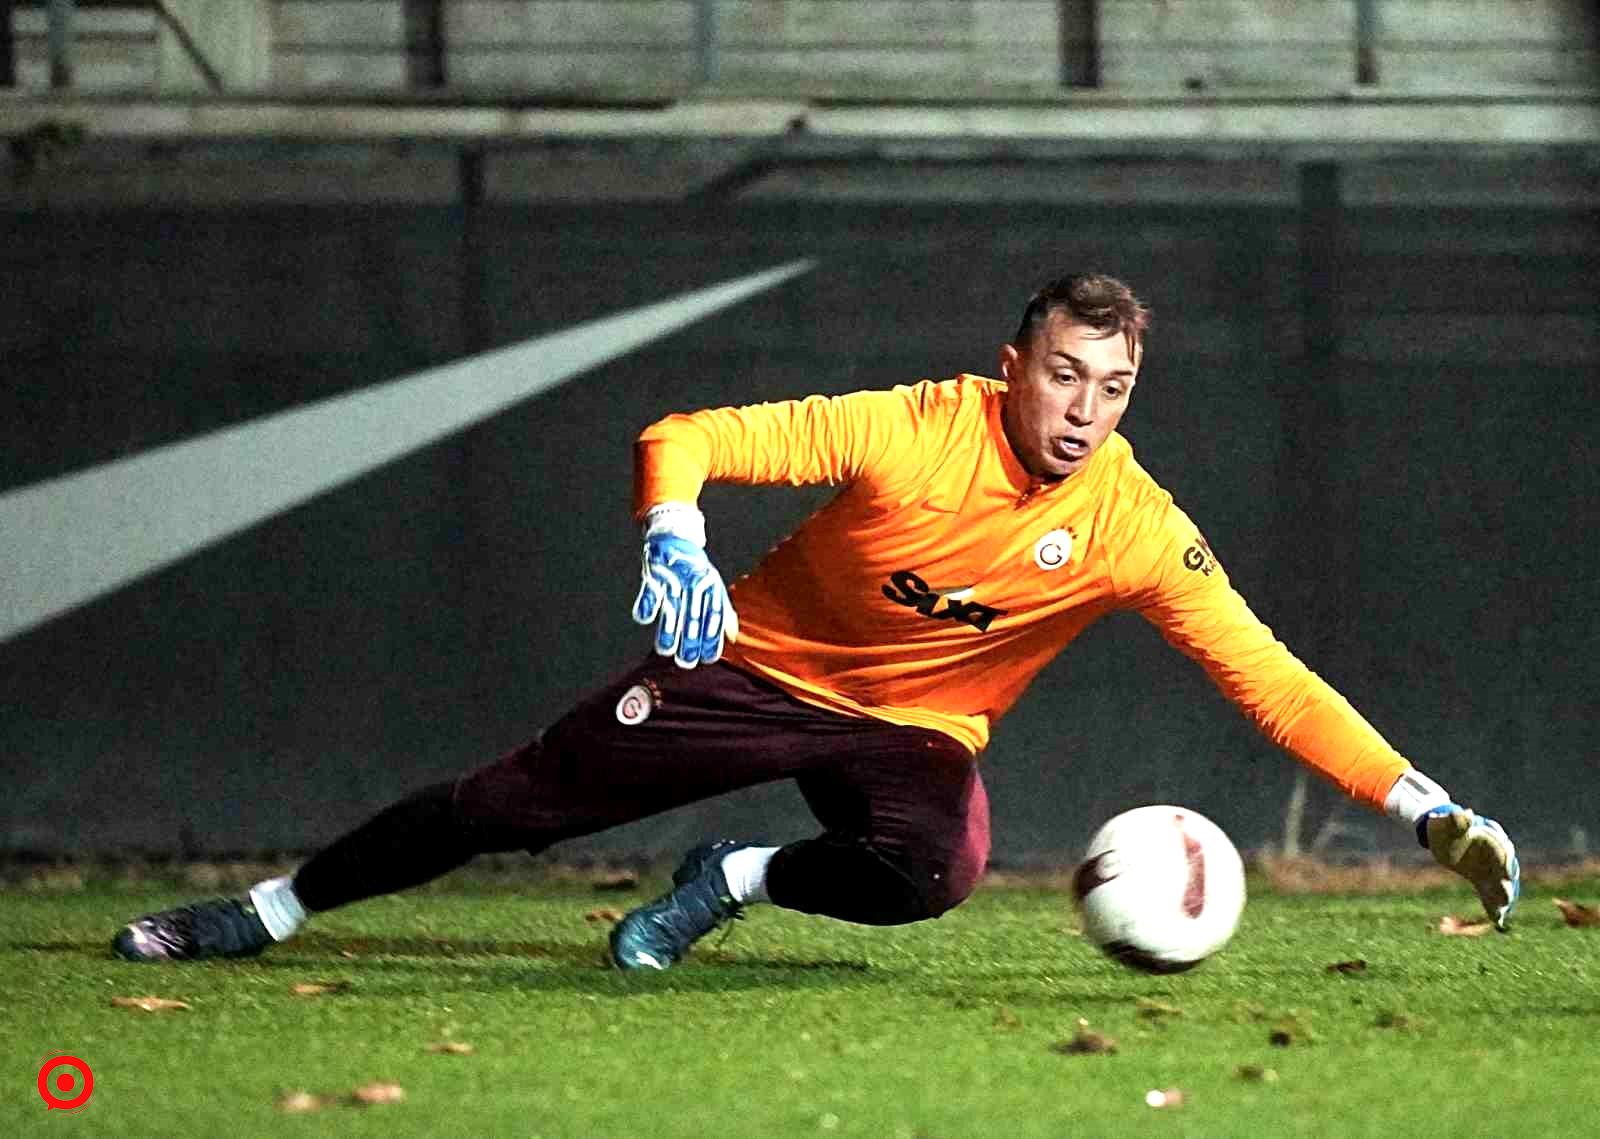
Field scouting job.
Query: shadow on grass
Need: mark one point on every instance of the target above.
(99, 950)
(554, 966)
(321, 946)
(408, 966)
(361, 948)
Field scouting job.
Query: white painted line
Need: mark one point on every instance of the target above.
(69, 540)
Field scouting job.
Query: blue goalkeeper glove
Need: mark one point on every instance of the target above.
(1480, 851)
(680, 590)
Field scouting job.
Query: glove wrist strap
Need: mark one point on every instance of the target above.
(678, 519)
(1413, 796)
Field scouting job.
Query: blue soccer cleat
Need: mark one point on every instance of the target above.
(657, 935)
(222, 927)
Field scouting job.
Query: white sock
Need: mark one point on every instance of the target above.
(278, 907)
(746, 872)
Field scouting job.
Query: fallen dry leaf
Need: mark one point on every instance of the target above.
(320, 988)
(1291, 1029)
(1156, 1010)
(1577, 915)
(452, 1047)
(1452, 926)
(368, 1094)
(1164, 1097)
(148, 1004)
(1391, 1019)
(1006, 1020)
(1085, 1043)
(1356, 966)
(299, 1102)
(1255, 1073)
(620, 881)
(604, 913)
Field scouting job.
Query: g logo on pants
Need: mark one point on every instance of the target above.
(636, 705)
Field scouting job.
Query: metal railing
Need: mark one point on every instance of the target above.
(62, 27)
(810, 47)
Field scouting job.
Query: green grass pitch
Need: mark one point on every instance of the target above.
(796, 1026)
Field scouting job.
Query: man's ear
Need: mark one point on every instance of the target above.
(1010, 361)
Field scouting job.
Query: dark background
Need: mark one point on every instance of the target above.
(1383, 419)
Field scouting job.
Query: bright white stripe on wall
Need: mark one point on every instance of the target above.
(68, 540)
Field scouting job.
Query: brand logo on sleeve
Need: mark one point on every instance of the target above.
(906, 588)
(1199, 557)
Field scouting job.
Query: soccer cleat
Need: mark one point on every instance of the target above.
(657, 935)
(222, 927)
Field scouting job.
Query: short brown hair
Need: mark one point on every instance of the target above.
(1101, 302)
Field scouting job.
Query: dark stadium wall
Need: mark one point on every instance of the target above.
(271, 691)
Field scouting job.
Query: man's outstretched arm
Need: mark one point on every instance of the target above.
(1185, 592)
(814, 440)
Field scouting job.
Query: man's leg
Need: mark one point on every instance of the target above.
(907, 838)
(418, 839)
(415, 840)
(657, 738)
(907, 835)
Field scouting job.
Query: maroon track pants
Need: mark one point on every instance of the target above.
(905, 815)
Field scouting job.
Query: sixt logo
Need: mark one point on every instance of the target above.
(1199, 557)
(906, 588)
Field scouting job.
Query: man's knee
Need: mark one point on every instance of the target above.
(953, 885)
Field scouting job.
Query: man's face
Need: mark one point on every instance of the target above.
(1065, 393)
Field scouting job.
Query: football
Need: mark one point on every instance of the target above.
(1160, 888)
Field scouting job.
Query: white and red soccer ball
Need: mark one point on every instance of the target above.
(1160, 888)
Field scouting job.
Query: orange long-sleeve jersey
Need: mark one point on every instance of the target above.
(942, 578)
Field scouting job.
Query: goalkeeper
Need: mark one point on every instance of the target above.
(981, 525)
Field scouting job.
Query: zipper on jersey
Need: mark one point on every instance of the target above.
(1027, 495)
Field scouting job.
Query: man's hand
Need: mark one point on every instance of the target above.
(1480, 851)
(680, 590)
